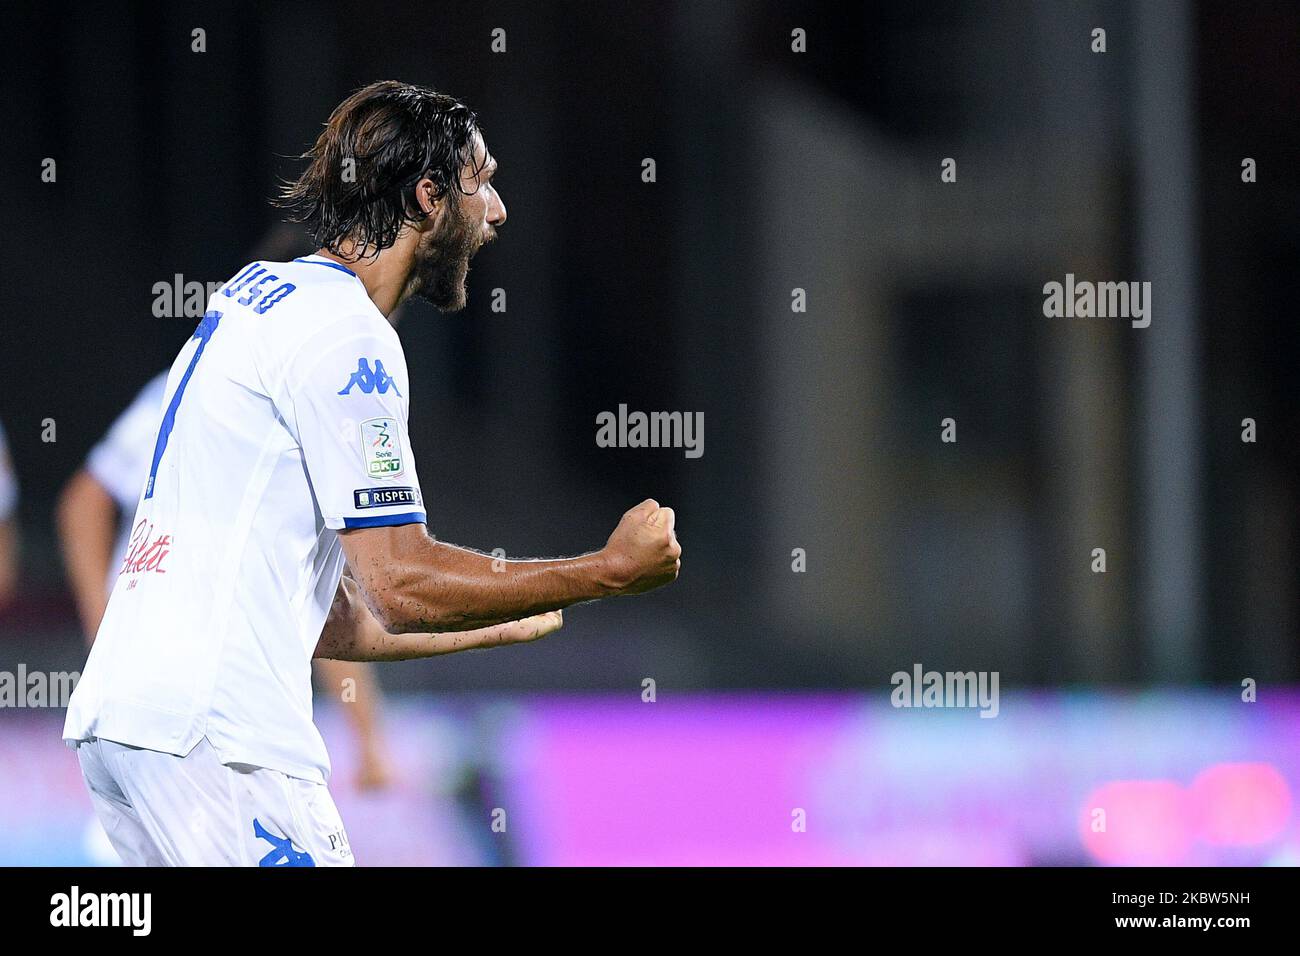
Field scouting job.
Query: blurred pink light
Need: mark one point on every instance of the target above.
(1147, 823)
(1240, 804)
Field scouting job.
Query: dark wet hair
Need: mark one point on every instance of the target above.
(396, 134)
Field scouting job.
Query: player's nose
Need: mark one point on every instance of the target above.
(496, 209)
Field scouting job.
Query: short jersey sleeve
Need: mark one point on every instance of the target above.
(120, 462)
(8, 483)
(347, 394)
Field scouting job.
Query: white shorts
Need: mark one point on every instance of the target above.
(162, 810)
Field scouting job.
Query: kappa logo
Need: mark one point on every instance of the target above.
(283, 853)
(370, 380)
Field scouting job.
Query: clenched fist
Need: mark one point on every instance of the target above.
(643, 553)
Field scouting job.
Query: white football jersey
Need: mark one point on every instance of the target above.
(120, 461)
(284, 421)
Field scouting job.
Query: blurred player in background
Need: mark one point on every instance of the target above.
(8, 525)
(94, 531)
(282, 461)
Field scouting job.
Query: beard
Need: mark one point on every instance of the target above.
(442, 263)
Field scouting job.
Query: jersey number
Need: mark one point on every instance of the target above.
(203, 333)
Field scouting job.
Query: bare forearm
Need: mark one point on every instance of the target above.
(87, 522)
(379, 645)
(413, 582)
(438, 586)
(352, 633)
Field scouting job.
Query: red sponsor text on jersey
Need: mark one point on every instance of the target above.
(143, 554)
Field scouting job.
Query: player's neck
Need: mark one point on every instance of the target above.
(384, 276)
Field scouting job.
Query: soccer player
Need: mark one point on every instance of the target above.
(94, 527)
(283, 458)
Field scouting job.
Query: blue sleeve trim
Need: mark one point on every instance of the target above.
(384, 521)
(327, 262)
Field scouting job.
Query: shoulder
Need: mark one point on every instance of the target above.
(295, 314)
(340, 339)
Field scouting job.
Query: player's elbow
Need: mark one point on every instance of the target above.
(397, 616)
(394, 619)
(409, 584)
(404, 606)
(405, 611)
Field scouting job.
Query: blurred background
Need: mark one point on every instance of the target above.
(775, 171)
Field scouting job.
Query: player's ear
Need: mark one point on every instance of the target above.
(426, 194)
